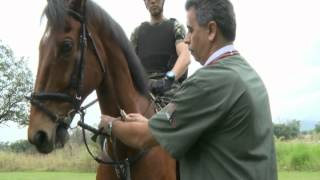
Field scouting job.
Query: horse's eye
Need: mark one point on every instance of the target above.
(66, 47)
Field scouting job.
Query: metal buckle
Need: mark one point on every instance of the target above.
(78, 97)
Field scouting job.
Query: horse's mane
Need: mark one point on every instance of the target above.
(56, 11)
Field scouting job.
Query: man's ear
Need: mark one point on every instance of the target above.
(78, 5)
(212, 29)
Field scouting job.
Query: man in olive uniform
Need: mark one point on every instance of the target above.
(159, 44)
(219, 123)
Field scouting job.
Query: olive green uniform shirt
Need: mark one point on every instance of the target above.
(219, 125)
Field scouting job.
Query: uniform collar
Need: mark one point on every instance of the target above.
(157, 23)
(214, 56)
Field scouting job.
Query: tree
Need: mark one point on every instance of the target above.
(4, 146)
(317, 127)
(22, 146)
(15, 83)
(287, 130)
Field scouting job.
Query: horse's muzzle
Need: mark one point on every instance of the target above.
(45, 145)
(41, 141)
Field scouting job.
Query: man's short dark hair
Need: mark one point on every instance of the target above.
(220, 11)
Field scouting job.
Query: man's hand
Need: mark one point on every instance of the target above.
(136, 117)
(132, 131)
(106, 123)
(159, 86)
(106, 120)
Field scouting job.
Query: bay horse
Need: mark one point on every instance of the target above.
(83, 49)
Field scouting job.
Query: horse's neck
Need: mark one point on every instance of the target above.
(117, 90)
(146, 106)
(130, 102)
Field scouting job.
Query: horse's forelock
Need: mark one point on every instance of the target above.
(56, 12)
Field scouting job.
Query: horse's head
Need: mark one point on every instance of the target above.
(82, 49)
(68, 71)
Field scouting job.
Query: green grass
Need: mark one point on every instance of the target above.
(299, 175)
(46, 176)
(294, 175)
(298, 156)
(297, 159)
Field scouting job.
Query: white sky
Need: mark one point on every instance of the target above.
(280, 39)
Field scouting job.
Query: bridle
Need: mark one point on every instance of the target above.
(122, 167)
(76, 83)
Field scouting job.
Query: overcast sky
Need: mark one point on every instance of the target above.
(279, 38)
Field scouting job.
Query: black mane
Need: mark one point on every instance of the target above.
(56, 11)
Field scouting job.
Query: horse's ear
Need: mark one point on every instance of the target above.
(78, 5)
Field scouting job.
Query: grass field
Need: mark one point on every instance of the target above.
(299, 175)
(91, 176)
(46, 176)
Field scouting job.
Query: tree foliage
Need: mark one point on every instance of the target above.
(4, 146)
(15, 83)
(20, 146)
(288, 130)
(317, 127)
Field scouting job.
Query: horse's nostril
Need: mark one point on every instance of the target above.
(40, 138)
(41, 141)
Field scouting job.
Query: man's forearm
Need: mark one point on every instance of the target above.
(134, 134)
(183, 60)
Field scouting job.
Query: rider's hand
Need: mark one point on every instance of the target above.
(159, 86)
(135, 117)
(105, 120)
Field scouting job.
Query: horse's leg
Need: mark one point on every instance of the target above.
(105, 172)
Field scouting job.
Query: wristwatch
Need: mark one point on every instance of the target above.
(170, 75)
